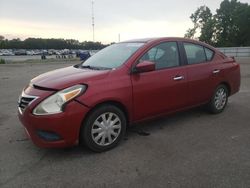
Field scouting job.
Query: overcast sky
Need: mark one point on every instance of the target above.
(72, 19)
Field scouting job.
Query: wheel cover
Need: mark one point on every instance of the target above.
(220, 98)
(106, 129)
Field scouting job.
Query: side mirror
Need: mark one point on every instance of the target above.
(144, 66)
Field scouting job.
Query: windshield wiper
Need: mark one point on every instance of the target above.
(94, 68)
(89, 67)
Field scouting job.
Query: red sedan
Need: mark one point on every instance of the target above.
(127, 82)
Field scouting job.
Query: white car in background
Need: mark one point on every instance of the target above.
(6, 53)
(30, 52)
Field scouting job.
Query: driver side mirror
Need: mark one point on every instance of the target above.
(144, 66)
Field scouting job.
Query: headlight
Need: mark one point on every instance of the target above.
(54, 103)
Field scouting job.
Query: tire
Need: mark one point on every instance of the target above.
(103, 129)
(219, 99)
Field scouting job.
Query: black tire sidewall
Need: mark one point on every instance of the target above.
(86, 136)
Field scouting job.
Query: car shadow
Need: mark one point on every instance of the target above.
(145, 128)
(171, 121)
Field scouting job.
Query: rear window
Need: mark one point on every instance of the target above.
(195, 53)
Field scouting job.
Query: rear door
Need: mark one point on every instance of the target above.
(164, 89)
(201, 73)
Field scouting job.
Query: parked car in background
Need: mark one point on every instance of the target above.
(37, 52)
(94, 102)
(84, 55)
(51, 52)
(5, 52)
(20, 52)
(30, 52)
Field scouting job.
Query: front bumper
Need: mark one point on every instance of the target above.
(55, 130)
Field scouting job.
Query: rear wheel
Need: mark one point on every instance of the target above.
(219, 100)
(103, 128)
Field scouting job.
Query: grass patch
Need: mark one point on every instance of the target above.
(2, 61)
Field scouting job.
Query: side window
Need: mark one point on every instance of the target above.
(155, 53)
(209, 54)
(164, 55)
(195, 53)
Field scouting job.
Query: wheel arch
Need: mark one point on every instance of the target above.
(117, 104)
(227, 85)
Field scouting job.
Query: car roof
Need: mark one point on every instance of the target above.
(144, 40)
(149, 40)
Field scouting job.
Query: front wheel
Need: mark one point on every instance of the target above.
(103, 128)
(219, 100)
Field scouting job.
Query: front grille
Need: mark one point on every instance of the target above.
(24, 101)
(48, 136)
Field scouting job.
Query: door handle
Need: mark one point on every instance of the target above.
(216, 71)
(178, 78)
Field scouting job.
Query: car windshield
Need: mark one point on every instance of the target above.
(112, 56)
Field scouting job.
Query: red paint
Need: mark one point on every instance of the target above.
(145, 66)
(143, 95)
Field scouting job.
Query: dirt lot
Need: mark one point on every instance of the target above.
(189, 149)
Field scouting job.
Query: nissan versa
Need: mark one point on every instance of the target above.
(127, 82)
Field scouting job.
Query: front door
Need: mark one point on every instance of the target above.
(163, 90)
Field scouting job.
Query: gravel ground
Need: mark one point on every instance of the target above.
(189, 149)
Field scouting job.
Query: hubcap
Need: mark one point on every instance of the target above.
(220, 98)
(106, 129)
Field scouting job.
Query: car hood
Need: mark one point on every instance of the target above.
(66, 77)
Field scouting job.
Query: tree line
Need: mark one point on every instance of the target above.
(229, 26)
(39, 43)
